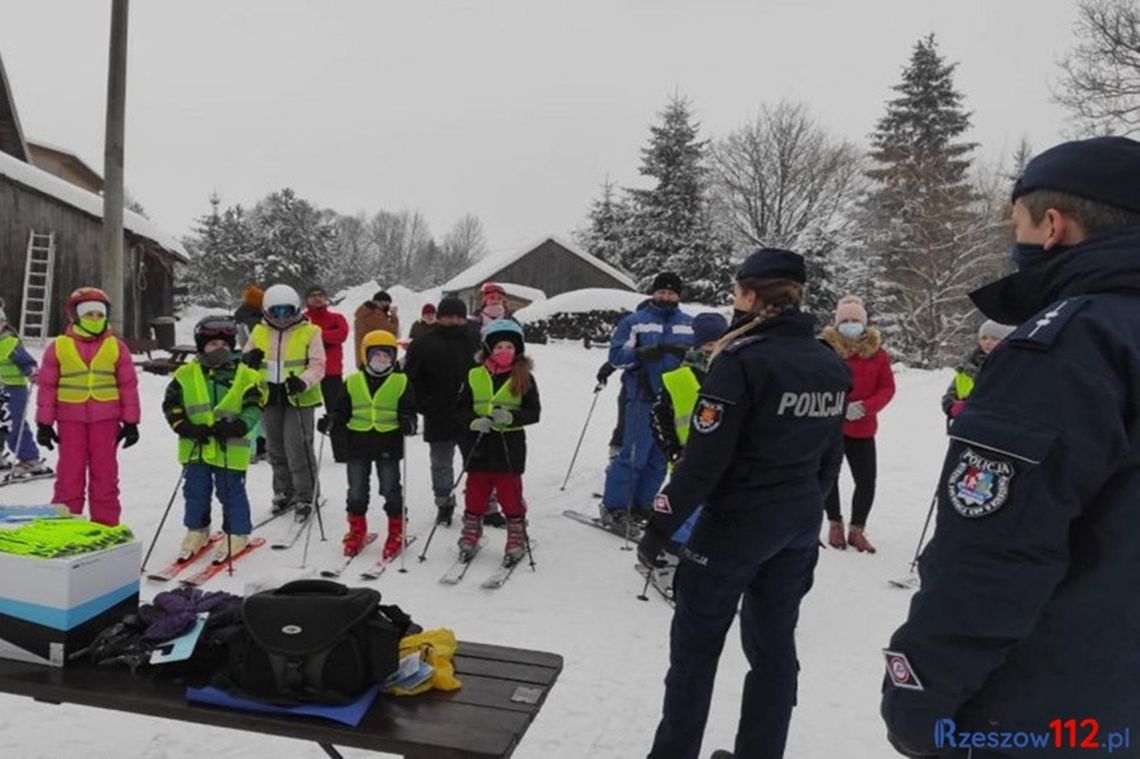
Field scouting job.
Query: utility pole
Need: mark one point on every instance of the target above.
(113, 164)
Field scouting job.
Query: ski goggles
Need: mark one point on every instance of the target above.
(281, 312)
(222, 327)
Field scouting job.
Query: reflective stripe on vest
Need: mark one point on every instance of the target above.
(294, 360)
(79, 382)
(235, 454)
(487, 399)
(375, 412)
(683, 387)
(10, 374)
(963, 385)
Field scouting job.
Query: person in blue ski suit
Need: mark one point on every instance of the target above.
(17, 373)
(1029, 610)
(646, 344)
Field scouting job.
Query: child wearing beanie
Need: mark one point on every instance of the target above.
(965, 376)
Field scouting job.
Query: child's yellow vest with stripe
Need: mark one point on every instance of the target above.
(196, 401)
(486, 399)
(294, 360)
(78, 382)
(683, 388)
(10, 374)
(379, 412)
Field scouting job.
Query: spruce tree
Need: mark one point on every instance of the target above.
(605, 237)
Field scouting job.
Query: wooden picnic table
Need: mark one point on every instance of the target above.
(168, 365)
(503, 690)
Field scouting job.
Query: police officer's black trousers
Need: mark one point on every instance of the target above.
(773, 586)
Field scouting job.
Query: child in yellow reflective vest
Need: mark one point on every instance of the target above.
(17, 374)
(368, 423)
(214, 404)
(989, 335)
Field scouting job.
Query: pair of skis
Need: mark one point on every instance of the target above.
(458, 570)
(208, 572)
(635, 530)
(8, 478)
(373, 572)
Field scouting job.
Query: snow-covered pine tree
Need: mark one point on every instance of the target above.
(923, 216)
(220, 256)
(605, 236)
(293, 241)
(670, 228)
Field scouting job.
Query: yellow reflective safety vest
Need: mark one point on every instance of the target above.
(683, 387)
(377, 412)
(486, 399)
(10, 374)
(963, 385)
(79, 382)
(196, 401)
(293, 359)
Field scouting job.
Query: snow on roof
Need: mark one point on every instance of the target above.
(598, 299)
(88, 202)
(486, 268)
(531, 294)
(64, 151)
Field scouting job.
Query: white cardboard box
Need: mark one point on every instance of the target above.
(51, 609)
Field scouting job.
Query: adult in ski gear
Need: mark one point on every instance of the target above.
(1031, 584)
(499, 398)
(372, 315)
(425, 322)
(646, 344)
(368, 424)
(334, 333)
(290, 354)
(88, 402)
(965, 377)
(437, 365)
(764, 446)
(861, 347)
(17, 372)
(213, 404)
(673, 409)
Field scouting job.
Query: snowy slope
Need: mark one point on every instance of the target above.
(580, 602)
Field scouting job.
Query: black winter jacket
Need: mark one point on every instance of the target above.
(437, 365)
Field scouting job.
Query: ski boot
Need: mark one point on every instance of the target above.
(618, 520)
(858, 540)
(280, 503)
(302, 510)
(395, 541)
(29, 469)
(230, 545)
(192, 543)
(356, 535)
(835, 535)
(516, 540)
(469, 538)
(445, 506)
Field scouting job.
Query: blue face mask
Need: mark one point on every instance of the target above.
(1027, 255)
(851, 329)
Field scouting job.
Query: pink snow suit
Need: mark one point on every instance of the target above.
(87, 430)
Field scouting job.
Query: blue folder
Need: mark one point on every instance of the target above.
(348, 714)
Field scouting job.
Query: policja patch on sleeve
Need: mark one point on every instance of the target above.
(979, 485)
(707, 415)
(900, 671)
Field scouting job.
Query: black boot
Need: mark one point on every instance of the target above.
(494, 519)
(445, 510)
(720, 753)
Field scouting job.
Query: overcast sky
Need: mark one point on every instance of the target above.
(514, 110)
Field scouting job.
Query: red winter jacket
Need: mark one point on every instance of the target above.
(872, 380)
(334, 331)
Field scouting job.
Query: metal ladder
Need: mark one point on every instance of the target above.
(38, 270)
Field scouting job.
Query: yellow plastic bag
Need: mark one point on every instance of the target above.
(436, 647)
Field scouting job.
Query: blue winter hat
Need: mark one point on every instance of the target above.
(773, 263)
(1101, 169)
(503, 329)
(708, 327)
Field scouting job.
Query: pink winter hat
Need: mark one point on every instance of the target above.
(850, 308)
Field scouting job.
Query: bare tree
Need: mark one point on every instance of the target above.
(398, 239)
(463, 245)
(1100, 82)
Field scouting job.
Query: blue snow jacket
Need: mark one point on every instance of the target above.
(648, 343)
(1030, 603)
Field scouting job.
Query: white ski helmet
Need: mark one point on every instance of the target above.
(281, 306)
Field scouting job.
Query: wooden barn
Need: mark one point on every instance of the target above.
(551, 267)
(51, 213)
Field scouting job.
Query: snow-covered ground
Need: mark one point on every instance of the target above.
(579, 603)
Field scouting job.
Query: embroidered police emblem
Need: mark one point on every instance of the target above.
(900, 671)
(979, 485)
(661, 504)
(707, 415)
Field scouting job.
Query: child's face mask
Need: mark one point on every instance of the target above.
(495, 310)
(379, 362)
(851, 329)
(93, 324)
(502, 357)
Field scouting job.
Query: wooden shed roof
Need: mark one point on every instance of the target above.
(11, 135)
(485, 269)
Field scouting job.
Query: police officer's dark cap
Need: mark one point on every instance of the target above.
(1101, 169)
(773, 263)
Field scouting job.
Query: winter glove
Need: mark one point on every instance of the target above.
(502, 416)
(604, 375)
(228, 428)
(956, 408)
(294, 385)
(855, 411)
(323, 424)
(254, 359)
(45, 436)
(480, 424)
(650, 548)
(649, 352)
(128, 434)
(408, 426)
(199, 433)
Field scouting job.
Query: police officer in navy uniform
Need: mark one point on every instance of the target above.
(1030, 603)
(764, 448)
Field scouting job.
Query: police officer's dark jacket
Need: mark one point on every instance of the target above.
(1030, 602)
(766, 433)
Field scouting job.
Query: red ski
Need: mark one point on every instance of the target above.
(215, 568)
(377, 569)
(175, 567)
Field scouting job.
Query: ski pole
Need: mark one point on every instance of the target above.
(526, 532)
(466, 463)
(645, 589)
(632, 487)
(581, 437)
(166, 511)
(314, 476)
(925, 526)
(404, 501)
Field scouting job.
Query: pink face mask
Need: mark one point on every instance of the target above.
(495, 311)
(501, 359)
